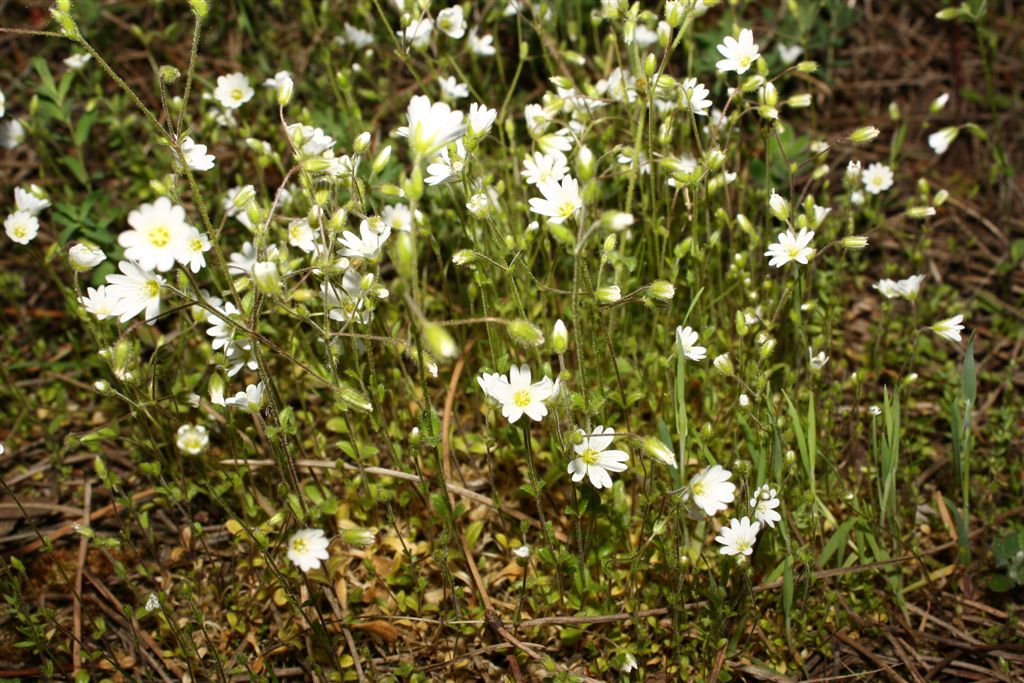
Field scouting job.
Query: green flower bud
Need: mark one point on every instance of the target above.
(525, 333)
(559, 337)
(439, 341)
(865, 134)
(656, 448)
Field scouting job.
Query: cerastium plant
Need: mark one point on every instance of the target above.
(641, 267)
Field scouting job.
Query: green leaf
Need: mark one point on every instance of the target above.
(968, 376)
(838, 540)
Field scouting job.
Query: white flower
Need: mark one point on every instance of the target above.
(134, 290)
(301, 235)
(522, 551)
(192, 439)
(711, 490)
(818, 361)
(191, 249)
(560, 201)
(418, 32)
(158, 231)
(3, 110)
(517, 395)
(21, 226)
(540, 167)
(346, 303)
(356, 37)
(739, 54)
(479, 205)
(560, 140)
(279, 79)
(723, 364)
(789, 53)
(251, 400)
(152, 603)
(12, 134)
(451, 22)
(941, 139)
(85, 257)
(695, 97)
(628, 663)
(481, 118)
(431, 127)
(877, 178)
(874, 411)
(764, 502)
(310, 141)
(739, 537)
(368, 243)
(99, 302)
(950, 328)
(686, 339)
(446, 166)
(32, 200)
(77, 60)
(907, 288)
(452, 89)
(307, 548)
(820, 214)
(399, 217)
(233, 90)
(594, 460)
(791, 247)
(195, 155)
(481, 45)
(939, 103)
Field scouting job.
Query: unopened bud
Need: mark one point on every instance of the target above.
(439, 341)
(656, 448)
(525, 333)
(865, 134)
(854, 242)
(559, 337)
(608, 295)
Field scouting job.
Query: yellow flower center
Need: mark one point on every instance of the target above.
(196, 245)
(698, 488)
(793, 252)
(236, 94)
(151, 288)
(744, 61)
(159, 236)
(20, 231)
(299, 545)
(589, 456)
(566, 208)
(522, 398)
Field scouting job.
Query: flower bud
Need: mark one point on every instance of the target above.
(799, 101)
(463, 257)
(559, 337)
(939, 103)
(358, 536)
(168, 73)
(778, 206)
(920, 211)
(439, 341)
(200, 8)
(854, 242)
(807, 67)
(609, 244)
(767, 347)
(650, 65)
(217, 389)
(865, 134)
(723, 364)
(268, 280)
(675, 12)
(284, 90)
(85, 257)
(525, 333)
(656, 448)
(350, 396)
(940, 197)
(361, 143)
(608, 295)
(662, 290)
(381, 160)
(244, 196)
(894, 111)
(585, 163)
